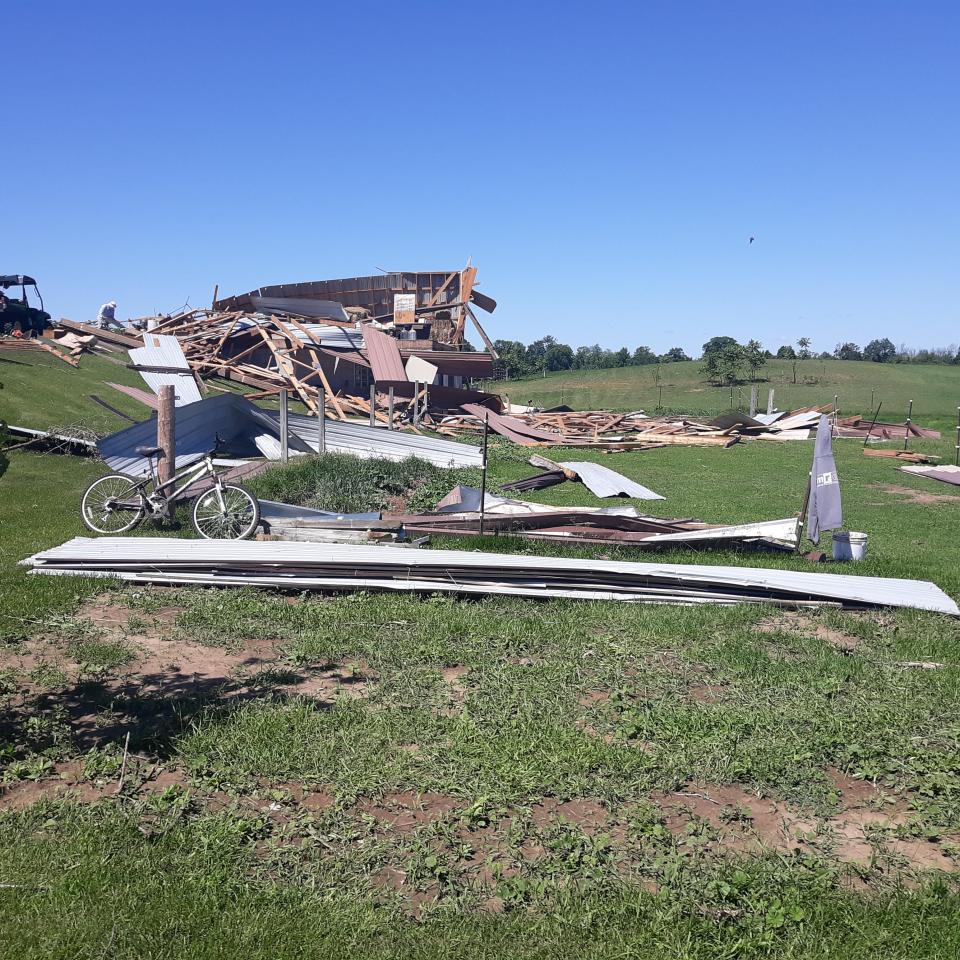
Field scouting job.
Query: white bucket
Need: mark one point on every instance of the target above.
(849, 545)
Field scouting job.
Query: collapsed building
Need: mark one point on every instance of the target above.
(347, 343)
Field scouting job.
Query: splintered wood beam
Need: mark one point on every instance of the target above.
(483, 335)
(467, 278)
(224, 338)
(286, 368)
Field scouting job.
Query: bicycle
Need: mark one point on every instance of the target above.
(117, 503)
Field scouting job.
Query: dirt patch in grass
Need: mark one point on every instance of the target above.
(909, 495)
(805, 625)
(404, 812)
(730, 818)
(588, 814)
(69, 781)
(705, 692)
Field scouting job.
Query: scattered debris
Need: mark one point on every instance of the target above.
(604, 482)
(908, 456)
(946, 473)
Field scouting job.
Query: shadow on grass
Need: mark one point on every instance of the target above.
(155, 708)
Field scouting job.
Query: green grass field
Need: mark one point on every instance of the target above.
(860, 385)
(426, 777)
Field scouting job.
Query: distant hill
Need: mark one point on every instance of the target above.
(861, 385)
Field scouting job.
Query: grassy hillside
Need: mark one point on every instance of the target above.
(40, 391)
(935, 390)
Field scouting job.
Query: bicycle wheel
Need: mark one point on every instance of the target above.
(235, 520)
(111, 504)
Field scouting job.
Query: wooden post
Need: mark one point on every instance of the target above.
(166, 433)
(284, 426)
(483, 473)
(906, 427)
(213, 302)
(770, 402)
(322, 421)
(753, 400)
(416, 402)
(389, 408)
(373, 404)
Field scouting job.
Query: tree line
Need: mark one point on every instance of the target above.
(723, 359)
(547, 354)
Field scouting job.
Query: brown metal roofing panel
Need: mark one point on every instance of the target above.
(384, 355)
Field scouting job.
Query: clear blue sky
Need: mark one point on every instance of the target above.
(604, 164)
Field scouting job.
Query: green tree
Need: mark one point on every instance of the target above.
(880, 351)
(722, 365)
(804, 344)
(674, 355)
(786, 352)
(716, 344)
(642, 356)
(754, 357)
(559, 356)
(848, 351)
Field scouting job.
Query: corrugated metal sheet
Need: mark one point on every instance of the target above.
(301, 306)
(604, 482)
(235, 420)
(161, 351)
(365, 441)
(341, 338)
(251, 431)
(161, 559)
(384, 356)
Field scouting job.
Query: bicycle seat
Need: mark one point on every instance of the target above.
(149, 451)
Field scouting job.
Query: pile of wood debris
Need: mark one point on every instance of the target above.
(603, 430)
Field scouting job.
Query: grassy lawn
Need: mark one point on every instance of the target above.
(860, 385)
(405, 776)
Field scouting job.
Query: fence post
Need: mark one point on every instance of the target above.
(389, 408)
(284, 426)
(166, 433)
(770, 401)
(323, 421)
(753, 400)
(373, 404)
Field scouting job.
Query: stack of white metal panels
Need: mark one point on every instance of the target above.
(318, 566)
(364, 441)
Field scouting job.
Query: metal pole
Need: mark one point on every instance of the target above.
(389, 408)
(872, 425)
(322, 421)
(483, 473)
(906, 426)
(373, 404)
(416, 402)
(284, 427)
(803, 511)
(166, 433)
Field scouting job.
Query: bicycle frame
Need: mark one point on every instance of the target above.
(188, 475)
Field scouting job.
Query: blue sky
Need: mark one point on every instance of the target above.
(603, 164)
